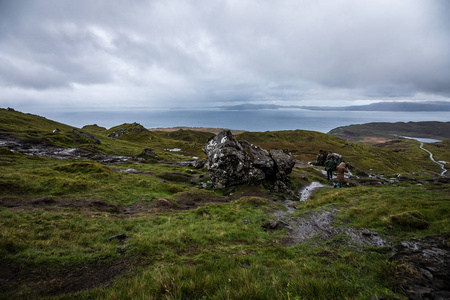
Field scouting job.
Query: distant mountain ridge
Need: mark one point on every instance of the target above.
(379, 106)
(390, 106)
(202, 129)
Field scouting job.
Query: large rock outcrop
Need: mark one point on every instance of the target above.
(323, 156)
(231, 162)
(134, 128)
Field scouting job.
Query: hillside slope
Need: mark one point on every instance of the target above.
(84, 215)
(389, 131)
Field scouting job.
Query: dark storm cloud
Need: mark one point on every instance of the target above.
(175, 53)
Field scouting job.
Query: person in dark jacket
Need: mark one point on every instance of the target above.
(330, 167)
(340, 170)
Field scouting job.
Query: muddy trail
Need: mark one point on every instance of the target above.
(95, 206)
(44, 148)
(320, 223)
(423, 265)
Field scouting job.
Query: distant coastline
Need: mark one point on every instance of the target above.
(379, 106)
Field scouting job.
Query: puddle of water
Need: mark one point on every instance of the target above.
(422, 140)
(309, 190)
(70, 151)
(290, 208)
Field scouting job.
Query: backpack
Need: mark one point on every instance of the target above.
(330, 165)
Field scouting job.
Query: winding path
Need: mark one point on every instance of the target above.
(444, 170)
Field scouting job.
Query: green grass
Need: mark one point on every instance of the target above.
(191, 255)
(374, 208)
(305, 145)
(215, 251)
(194, 254)
(35, 177)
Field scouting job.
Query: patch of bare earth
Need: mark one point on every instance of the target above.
(374, 139)
(320, 225)
(94, 205)
(28, 282)
(57, 204)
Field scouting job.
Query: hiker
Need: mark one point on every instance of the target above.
(330, 167)
(340, 170)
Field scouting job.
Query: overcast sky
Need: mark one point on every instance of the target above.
(114, 55)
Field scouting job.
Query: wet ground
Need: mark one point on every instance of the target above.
(44, 148)
(422, 265)
(320, 225)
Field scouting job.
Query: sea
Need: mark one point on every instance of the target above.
(249, 120)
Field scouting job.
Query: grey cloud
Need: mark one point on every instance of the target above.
(230, 50)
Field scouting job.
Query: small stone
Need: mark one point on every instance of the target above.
(270, 224)
(165, 202)
(427, 274)
(120, 237)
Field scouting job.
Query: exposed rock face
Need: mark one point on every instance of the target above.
(127, 128)
(283, 163)
(116, 134)
(323, 156)
(261, 159)
(423, 269)
(228, 163)
(232, 163)
(86, 135)
(148, 153)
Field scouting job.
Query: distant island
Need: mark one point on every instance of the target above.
(382, 131)
(379, 106)
(202, 129)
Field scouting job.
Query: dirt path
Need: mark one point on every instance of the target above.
(320, 224)
(444, 170)
(423, 265)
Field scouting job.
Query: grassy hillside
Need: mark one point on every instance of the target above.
(104, 227)
(432, 130)
(305, 145)
(201, 129)
(15, 121)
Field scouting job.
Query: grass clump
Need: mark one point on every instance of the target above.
(84, 168)
(413, 219)
(198, 195)
(6, 151)
(176, 177)
(254, 201)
